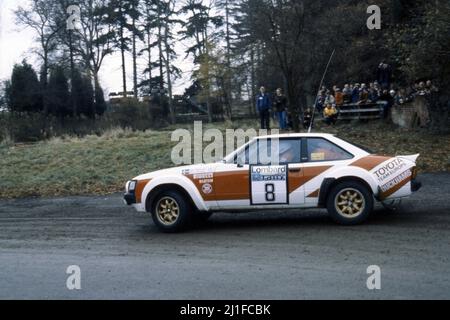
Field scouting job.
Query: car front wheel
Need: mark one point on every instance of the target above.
(350, 203)
(171, 212)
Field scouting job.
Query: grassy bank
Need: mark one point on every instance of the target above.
(100, 165)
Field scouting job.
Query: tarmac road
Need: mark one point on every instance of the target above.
(263, 255)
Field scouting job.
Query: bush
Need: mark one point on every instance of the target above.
(129, 114)
(22, 127)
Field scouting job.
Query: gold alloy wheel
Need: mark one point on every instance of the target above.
(350, 203)
(167, 210)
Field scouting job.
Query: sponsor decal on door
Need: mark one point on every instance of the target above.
(269, 185)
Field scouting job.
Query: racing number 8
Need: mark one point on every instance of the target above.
(270, 192)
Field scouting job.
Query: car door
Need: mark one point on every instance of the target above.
(319, 157)
(264, 174)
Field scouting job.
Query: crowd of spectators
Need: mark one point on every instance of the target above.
(331, 101)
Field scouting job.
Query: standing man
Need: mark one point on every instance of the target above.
(263, 106)
(280, 104)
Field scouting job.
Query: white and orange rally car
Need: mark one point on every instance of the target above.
(310, 171)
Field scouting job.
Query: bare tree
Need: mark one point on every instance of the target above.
(39, 18)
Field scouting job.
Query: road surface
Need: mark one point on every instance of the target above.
(262, 255)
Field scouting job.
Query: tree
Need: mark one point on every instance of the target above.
(420, 47)
(229, 8)
(39, 18)
(150, 23)
(58, 93)
(99, 104)
(23, 93)
(197, 27)
(170, 55)
(83, 94)
(119, 14)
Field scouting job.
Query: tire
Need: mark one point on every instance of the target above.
(179, 214)
(350, 203)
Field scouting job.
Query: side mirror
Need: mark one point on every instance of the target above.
(240, 162)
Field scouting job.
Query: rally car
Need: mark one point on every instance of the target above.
(304, 171)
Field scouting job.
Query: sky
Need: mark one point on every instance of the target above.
(17, 42)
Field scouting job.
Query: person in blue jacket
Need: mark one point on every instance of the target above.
(263, 106)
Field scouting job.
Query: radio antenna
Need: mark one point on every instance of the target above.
(318, 91)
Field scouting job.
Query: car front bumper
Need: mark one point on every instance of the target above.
(129, 198)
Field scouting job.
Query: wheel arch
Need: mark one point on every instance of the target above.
(329, 183)
(183, 186)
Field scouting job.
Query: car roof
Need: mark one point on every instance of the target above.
(298, 135)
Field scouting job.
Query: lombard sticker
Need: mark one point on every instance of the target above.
(269, 185)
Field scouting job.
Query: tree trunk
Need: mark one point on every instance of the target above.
(122, 51)
(161, 54)
(228, 90)
(96, 89)
(149, 60)
(169, 81)
(72, 76)
(135, 80)
(45, 84)
(293, 102)
(208, 80)
(253, 81)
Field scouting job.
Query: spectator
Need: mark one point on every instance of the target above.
(280, 106)
(374, 95)
(339, 97)
(347, 94)
(421, 89)
(384, 75)
(430, 87)
(330, 114)
(263, 106)
(321, 101)
(355, 93)
(329, 98)
(363, 95)
(307, 118)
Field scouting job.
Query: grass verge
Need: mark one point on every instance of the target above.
(101, 165)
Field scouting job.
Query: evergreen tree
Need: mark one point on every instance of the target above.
(58, 93)
(100, 103)
(24, 91)
(83, 94)
(197, 28)
(121, 15)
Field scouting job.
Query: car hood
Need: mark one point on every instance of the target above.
(184, 170)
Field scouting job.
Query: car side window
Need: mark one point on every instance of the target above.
(288, 151)
(320, 149)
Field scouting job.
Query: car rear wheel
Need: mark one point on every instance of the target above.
(350, 203)
(171, 212)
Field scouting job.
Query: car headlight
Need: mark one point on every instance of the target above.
(131, 186)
